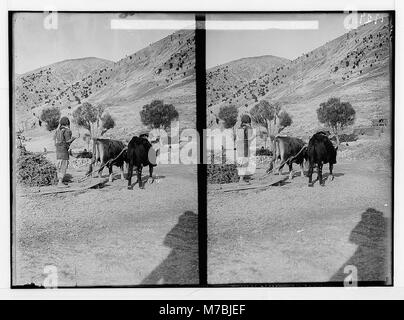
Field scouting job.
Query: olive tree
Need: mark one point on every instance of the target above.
(93, 118)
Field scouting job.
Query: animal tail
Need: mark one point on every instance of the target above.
(292, 158)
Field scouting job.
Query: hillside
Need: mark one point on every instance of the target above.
(232, 77)
(43, 85)
(163, 70)
(355, 67)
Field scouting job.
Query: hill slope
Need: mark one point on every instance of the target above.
(232, 76)
(355, 67)
(163, 70)
(43, 85)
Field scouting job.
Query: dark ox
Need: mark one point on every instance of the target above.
(105, 150)
(140, 154)
(320, 151)
(288, 150)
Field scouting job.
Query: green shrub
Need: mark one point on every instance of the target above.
(33, 169)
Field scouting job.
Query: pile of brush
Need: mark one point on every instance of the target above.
(34, 170)
(222, 173)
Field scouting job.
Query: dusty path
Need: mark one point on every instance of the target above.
(112, 236)
(292, 233)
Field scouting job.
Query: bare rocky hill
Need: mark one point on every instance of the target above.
(355, 67)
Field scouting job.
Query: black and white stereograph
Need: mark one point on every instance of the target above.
(201, 149)
(98, 97)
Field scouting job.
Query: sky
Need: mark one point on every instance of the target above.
(226, 45)
(77, 35)
(80, 35)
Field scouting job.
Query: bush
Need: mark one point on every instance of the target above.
(229, 116)
(107, 121)
(263, 152)
(284, 120)
(222, 173)
(158, 115)
(345, 137)
(35, 170)
(51, 117)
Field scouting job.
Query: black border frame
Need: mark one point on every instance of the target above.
(200, 59)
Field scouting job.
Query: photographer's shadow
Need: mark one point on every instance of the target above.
(371, 258)
(181, 265)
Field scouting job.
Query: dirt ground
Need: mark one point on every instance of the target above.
(293, 233)
(111, 235)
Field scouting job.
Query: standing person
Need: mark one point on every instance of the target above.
(63, 139)
(246, 142)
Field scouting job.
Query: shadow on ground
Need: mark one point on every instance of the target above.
(145, 178)
(372, 258)
(181, 265)
(298, 175)
(336, 175)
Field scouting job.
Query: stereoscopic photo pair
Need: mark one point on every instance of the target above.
(207, 149)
